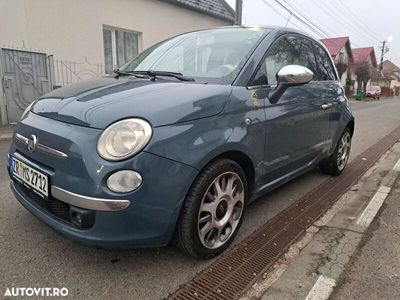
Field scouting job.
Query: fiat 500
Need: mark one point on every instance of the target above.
(176, 143)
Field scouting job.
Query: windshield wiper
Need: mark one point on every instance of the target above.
(118, 73)
(153, 74)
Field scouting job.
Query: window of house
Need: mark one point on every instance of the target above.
(120, 46)
(286, 51)
(327, 72)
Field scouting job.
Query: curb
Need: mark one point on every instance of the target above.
(315, 264)
(348, 243)
(6, 137)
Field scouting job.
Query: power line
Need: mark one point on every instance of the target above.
(339, 19)
(351, 19)
(304, 16)
(279, 13)
(316, 30)
(361, 22)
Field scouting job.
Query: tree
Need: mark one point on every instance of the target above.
(363, 73)
(341, 68)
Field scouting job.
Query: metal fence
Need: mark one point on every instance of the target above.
(68, 72)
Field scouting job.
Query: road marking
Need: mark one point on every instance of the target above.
(373, 206)
(397, 166)
(322, 288)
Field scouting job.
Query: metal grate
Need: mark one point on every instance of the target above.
(53, 206)
(233, 273)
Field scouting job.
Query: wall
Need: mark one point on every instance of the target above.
(72, 29)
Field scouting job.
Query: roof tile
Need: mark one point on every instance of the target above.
(215, 8)
(335, 44)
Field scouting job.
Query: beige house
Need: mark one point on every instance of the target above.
(89, 37)
(361, 56)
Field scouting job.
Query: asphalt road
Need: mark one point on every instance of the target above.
(33, 255)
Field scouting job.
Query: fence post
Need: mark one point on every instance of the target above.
(50, 70)
(3, 107)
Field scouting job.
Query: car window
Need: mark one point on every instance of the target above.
(215, 56)
(327, 72)
(286, 51)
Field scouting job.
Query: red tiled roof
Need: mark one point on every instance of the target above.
(335, 44)
(360, 55)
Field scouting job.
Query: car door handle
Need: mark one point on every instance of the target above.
(326, 105)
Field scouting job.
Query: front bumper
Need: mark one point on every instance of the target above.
(144, 217)
(89, 202)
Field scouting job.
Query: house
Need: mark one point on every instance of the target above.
(340, 50)
(47, 43)
(391, 71)
(105, 32)
(361, 57)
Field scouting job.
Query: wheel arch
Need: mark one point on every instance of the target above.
(243, 160)
(350, 125)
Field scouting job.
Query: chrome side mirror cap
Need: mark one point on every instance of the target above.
(290, 75)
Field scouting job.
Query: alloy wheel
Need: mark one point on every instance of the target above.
(343, 152)
(220, 210)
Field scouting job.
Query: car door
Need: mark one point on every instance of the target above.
(296, 126)
(332, 93)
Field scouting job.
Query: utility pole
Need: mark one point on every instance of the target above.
(382, 54)
(238, 10)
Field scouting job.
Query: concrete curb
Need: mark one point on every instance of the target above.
(347, 244)
(6, 137)
(314, 265)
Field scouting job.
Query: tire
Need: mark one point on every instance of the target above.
(336, 163)
(210, 218)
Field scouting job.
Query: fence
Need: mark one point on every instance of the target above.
(68, 72)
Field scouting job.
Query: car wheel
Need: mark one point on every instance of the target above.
(336, 163)
(213, 210)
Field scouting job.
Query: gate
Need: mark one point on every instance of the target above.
(25, 76)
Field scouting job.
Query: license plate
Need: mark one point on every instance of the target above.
(29, 176)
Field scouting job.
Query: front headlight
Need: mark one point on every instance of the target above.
(124, 139)
(27, 110)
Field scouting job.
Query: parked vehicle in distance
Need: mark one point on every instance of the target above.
(373, 91)
(179, 140)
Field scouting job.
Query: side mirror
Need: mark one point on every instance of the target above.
(290, 75)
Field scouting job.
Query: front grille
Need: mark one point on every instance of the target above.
(51, 205)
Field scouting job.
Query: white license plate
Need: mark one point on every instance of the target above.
(31, 177)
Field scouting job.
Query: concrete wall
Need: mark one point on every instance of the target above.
(72, 29)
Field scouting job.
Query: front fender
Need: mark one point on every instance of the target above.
(197, 143)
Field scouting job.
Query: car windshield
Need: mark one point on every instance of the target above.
(214, 56)
(371, 88)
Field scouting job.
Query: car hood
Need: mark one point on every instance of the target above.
(98, 103)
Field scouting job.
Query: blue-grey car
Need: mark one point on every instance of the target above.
(176, 143)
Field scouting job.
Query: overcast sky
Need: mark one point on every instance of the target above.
(366, 22)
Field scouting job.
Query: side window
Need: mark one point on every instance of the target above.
(286, 51)
(327, 72)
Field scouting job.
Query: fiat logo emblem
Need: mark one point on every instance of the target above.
(32, 143)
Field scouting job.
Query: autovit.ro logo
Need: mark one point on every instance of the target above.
(36, 292)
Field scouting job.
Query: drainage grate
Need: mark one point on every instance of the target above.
(232, 274)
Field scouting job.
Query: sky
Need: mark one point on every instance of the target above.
(366, 22)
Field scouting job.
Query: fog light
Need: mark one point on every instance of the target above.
(124, 181)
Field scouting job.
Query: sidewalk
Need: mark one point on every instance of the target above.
(6, 132)
(352, 252)
(374, 272)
